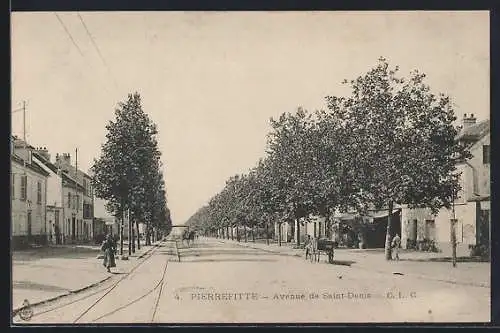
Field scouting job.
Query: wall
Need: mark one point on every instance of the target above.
(483, 170)
(69, 212)
(19, 227)
(54, 186)
(465, 228)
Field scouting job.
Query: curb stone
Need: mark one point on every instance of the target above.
(75, 291)
(419, 276)
(71, 292)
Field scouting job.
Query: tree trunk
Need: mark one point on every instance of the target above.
(133, 236)
(267, 233)
(298, 232)
(238, 233)
(388, 252)
(227, 232)
(253, 233)
(148, 240)
(130, 230)
(245, 230)
(122, 220)
(453, 243)
(279, 233)
(138, 235)
(232, 233)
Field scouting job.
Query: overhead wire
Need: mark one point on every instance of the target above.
(69, 34)
(96, 47)
(74, 42)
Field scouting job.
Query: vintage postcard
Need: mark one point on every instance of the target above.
(250, 167)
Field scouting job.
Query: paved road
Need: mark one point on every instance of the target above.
(216, 282)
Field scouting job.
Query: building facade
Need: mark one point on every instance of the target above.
(55, 207)
(28, 198)
(471, 208)
(77, 202)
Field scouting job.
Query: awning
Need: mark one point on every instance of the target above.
(479, 198)
(369, 217)
(382, 213)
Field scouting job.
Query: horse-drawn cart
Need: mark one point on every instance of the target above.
(327, 247)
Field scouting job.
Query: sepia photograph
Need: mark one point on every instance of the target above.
(232, 167)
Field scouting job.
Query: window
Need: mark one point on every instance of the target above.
(39, 193)
(87, 211)
(69, 199)
(85, 186)
(486, 154)
(24, 187)
(13, 186)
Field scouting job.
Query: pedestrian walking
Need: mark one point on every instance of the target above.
(109, 249)
(396, 244)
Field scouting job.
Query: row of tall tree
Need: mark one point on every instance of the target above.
(391, 141)
(128, 173)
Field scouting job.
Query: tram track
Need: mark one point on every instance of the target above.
(159, 284)
(107, 290)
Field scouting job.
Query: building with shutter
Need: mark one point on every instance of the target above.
(28, 197)
(471, 209)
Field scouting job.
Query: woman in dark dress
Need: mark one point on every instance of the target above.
(109, 249)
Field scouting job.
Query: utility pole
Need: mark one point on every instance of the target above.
(453, 235)
(76, 190)
(25, 177)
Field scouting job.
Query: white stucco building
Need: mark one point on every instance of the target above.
(28, 197)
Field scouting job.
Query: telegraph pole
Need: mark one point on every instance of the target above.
(453, 233)
(76, 191)
(25, 177)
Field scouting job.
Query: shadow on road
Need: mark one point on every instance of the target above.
(221, 251)
(36, 286)
(54, 252)
(191, 260)
(445, 259)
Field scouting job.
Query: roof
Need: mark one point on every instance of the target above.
(69, 180)
(48, 164)
(18, 143)
(475, 132)
(33, 165)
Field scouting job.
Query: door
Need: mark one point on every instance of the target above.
(73, 227)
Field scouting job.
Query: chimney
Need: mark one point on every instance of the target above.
(468, 121)
(63, 161)
(43, 151)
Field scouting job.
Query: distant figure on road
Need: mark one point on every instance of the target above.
(396, 244)
(109, 249)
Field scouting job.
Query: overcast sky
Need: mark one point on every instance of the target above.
(212, 80)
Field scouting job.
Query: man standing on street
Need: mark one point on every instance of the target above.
(396, 243)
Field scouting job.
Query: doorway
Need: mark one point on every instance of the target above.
(73, 225)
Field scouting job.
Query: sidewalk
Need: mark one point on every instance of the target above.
(44, 274)
(423, 265)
